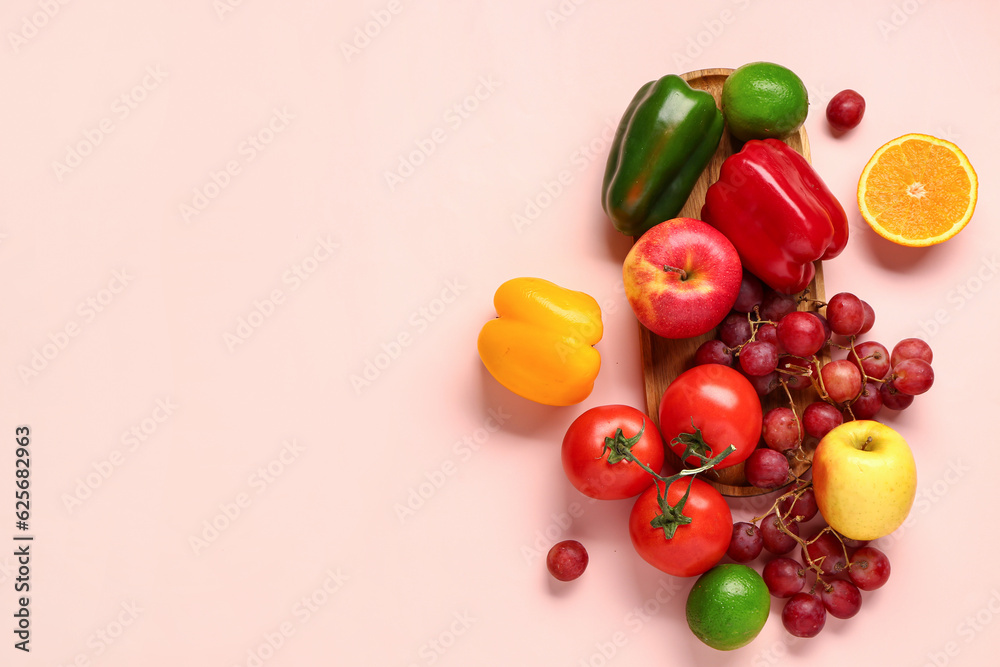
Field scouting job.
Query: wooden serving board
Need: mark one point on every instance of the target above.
(664, 359)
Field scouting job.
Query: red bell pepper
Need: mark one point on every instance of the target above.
(778, 213)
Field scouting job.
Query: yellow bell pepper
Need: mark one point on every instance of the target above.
(540, 346)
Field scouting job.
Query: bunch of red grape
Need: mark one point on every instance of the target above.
(775, 345)
(838, 567)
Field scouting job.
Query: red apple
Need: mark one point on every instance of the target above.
(682, 278)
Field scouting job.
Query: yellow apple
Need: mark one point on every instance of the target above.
(865, 479)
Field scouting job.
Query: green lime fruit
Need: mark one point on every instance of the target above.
(728, 606)
(761, 100)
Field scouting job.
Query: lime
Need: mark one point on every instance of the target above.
(727, 606)
(761, 100)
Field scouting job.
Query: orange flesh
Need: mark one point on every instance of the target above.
(919, 191)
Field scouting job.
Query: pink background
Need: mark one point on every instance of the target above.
(227, 334)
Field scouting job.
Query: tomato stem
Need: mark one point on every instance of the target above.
(619, 448)
(672, 516)
(694, 444)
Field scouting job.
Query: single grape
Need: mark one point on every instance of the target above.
(871, 358)
(852, 543)
(777, 540)
(713, 351)
(764, 384)
(804, 615)
(759, 358)
(801, 334)
(746, 542)
(827, 331)
(796, 371)
(800, 508)
(841, 598)
(845, 314)
(827, 552)
(841, 379)
(912, 376)
(869, 318)
(868, 403)
(776, 305)
(819, 418)
(911, 348)
(768, 333)
(845, 110)
(781, 429)
(869, 568)
(766, 469)
(567, 560)
(735, 330)
(784, 577)
(892, 398)
(750, 295)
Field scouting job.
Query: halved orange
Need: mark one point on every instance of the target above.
(918, 190)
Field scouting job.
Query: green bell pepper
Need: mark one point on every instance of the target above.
(663, 143)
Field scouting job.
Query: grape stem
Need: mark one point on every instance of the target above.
(791, 403)
(816, 565)
(755, 323)
(806, 299)
(865, 378)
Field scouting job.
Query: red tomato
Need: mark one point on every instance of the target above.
(721, 402)
(696, 546)
(586, 462)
